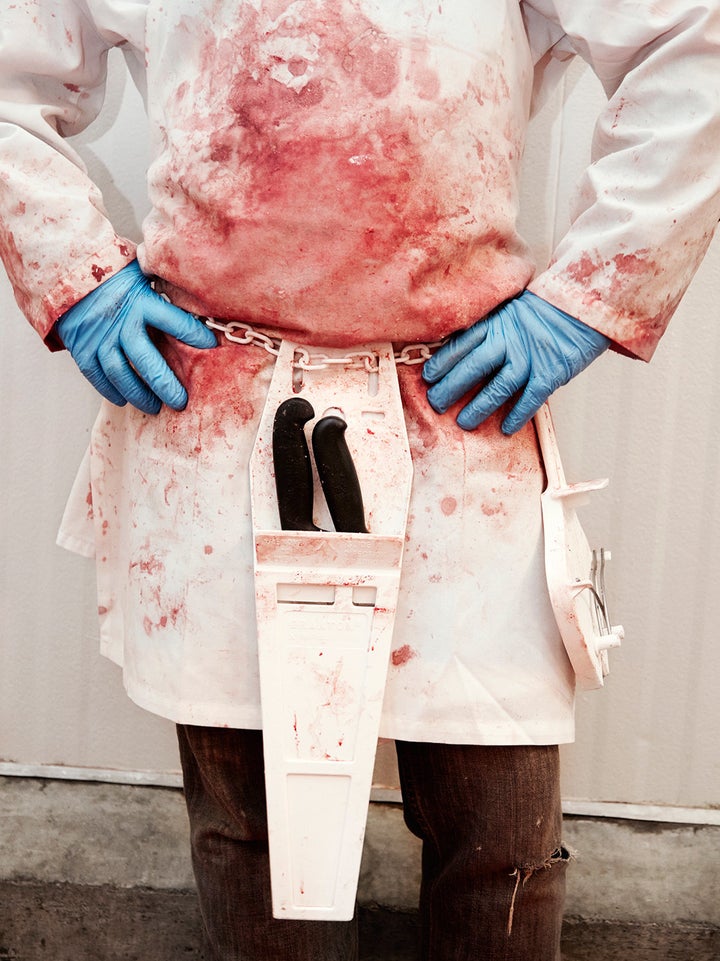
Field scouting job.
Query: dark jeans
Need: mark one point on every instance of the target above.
(493, 866)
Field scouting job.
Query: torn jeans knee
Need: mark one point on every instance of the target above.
(523, 873)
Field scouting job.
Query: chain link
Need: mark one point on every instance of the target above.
(304, 360)
(416, 353)
(251, 336)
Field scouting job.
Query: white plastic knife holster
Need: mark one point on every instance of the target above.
(325, 605)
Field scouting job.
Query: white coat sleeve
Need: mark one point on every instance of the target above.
(648, 204)
(56, 241)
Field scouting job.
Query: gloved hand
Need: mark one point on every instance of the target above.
(526, 345)
(106, 333)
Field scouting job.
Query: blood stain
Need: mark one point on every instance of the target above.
(402, 655)
(448, 505)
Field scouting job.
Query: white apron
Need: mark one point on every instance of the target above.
(347, 171)
(163, 503)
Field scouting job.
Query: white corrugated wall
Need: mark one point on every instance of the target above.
(647, 739)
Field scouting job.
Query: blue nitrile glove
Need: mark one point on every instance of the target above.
(526, 346)
(106, 334)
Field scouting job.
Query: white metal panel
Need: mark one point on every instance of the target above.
(647, 738)
(60, 702)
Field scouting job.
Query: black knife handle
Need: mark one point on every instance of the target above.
(338, 476)
(293, 470)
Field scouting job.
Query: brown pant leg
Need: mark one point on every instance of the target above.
(493, 863)
(223, 775)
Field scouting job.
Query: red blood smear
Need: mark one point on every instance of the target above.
(402, 655)
(317, 183)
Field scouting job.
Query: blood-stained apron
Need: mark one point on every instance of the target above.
(345, 173)
(163, 503)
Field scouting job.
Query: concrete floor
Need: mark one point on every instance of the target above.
(101, 872)
(69, 922)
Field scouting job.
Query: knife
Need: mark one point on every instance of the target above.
(293, 470)
(338, 476)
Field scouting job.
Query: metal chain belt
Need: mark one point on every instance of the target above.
(240, 333)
